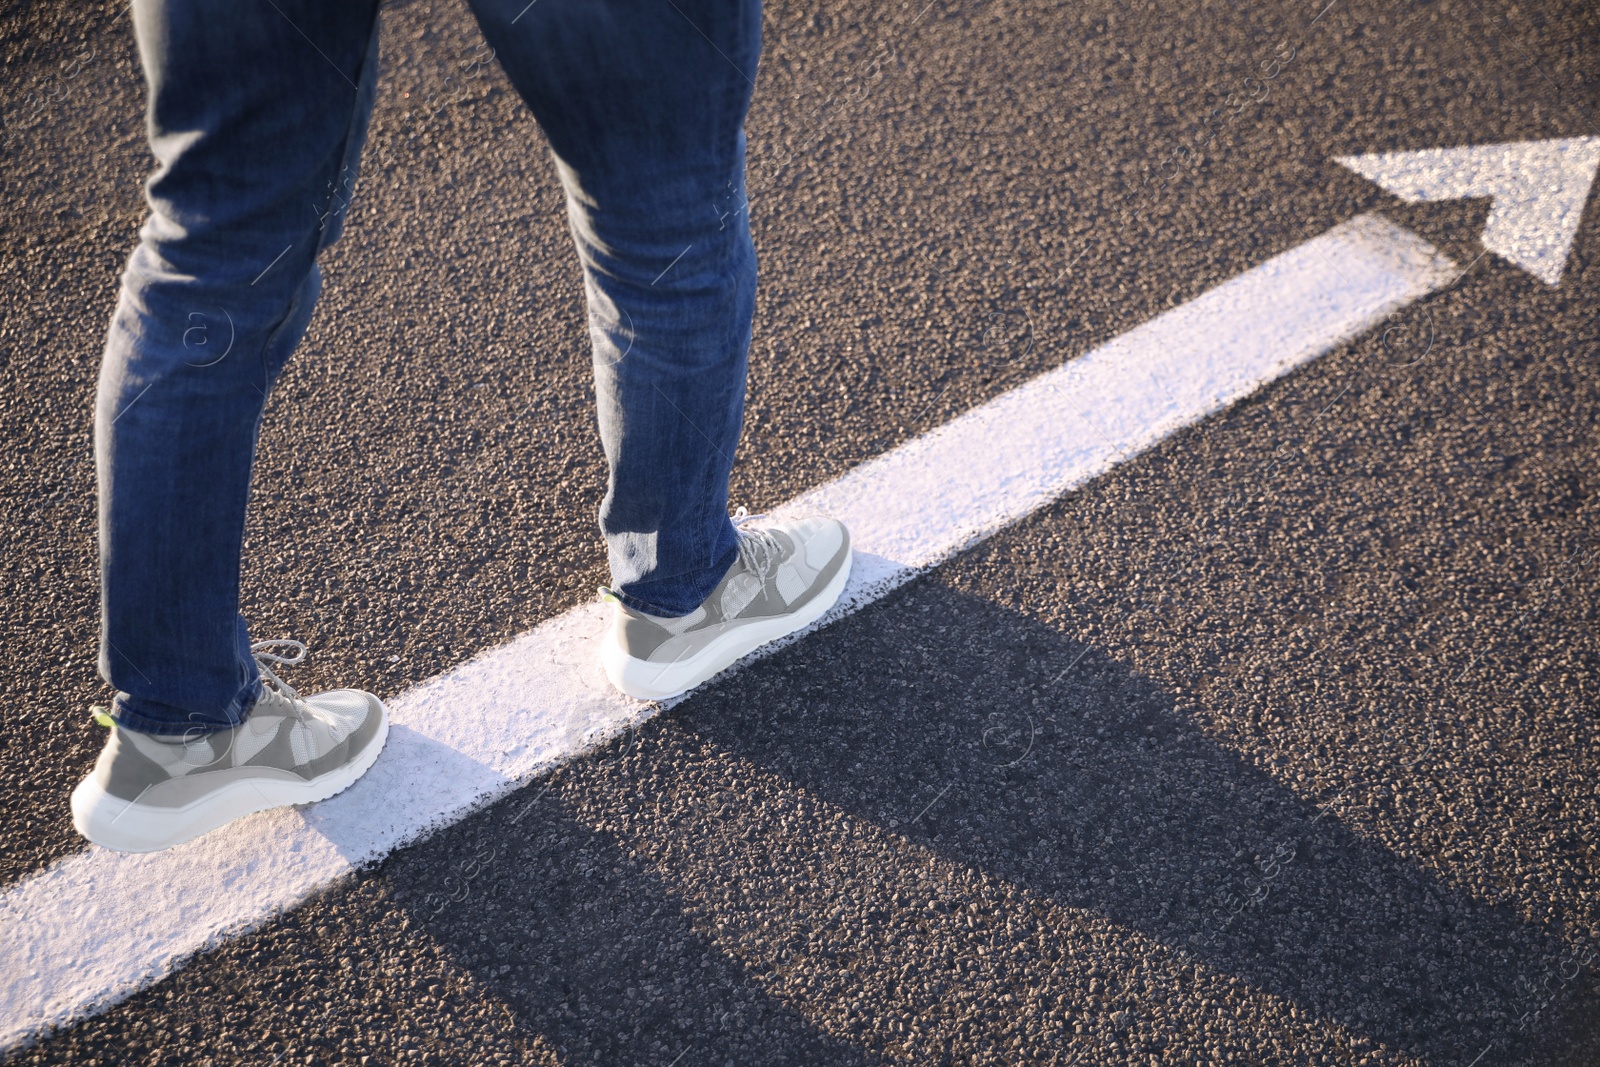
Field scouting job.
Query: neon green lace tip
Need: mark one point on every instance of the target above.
(607, 596)
(102, 715)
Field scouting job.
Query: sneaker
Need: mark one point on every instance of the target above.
(787, 575)
(151, 792)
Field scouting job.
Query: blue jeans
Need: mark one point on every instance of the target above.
(257, 112)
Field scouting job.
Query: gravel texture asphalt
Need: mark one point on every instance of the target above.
(1275, 745)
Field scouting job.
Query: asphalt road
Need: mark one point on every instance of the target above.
(1275, 745)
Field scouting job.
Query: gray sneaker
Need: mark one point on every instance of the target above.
(787, 575)
(149, 792)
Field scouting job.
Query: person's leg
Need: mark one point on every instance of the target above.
(256, 114)
(643, 103)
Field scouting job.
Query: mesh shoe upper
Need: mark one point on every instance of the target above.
(778, 571)
(286, 736)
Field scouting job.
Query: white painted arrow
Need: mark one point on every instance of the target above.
(95, 927)
(1539, 189)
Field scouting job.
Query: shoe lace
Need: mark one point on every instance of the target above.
(265, 661)
(759, 550)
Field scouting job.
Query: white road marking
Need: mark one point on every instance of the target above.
(96, 927)
(1539, 189)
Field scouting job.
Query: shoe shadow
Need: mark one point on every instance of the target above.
(587, 945)
(414, 777)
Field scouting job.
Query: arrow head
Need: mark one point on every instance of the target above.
(1539, 189)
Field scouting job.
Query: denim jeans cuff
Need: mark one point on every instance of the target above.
(132, 718)
(647, 607)
(699, 585)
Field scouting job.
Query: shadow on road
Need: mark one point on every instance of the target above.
(656, 898)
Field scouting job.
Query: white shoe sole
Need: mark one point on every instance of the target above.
(128, 826)
(645, 680)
